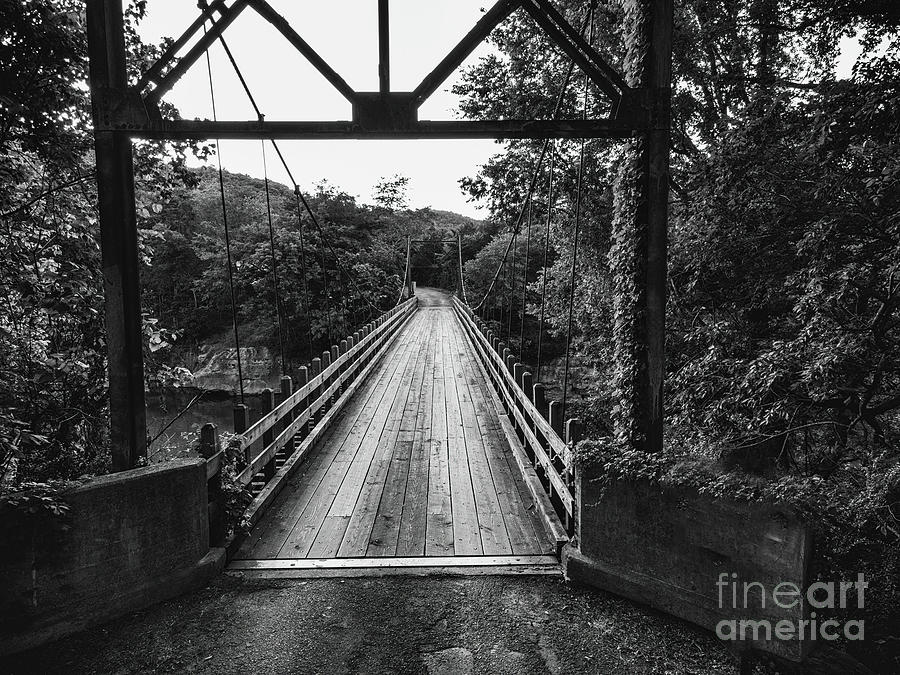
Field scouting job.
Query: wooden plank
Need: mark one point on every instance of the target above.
(491, 525)
(310, 488)
(386, 528)
(524, 522)
(517, 459)
(525, 420)
(439, 522)
(359, 351)
(466, 529)
(268, 539)
(385, 531)
(525, 515)
(324, 396)
(497, 365)
(302, 536)
(414, 517)
(363, 481)
(365, 511)
(397, 561)
(544, 507)
(312, 568)
(525, 536)
(322, 494)
(368, 572)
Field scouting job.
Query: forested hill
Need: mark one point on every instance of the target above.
(185, 273)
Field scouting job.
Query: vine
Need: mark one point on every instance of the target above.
(629, 241)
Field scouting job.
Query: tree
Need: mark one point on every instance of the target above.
(782, 237)
(390, 193)
(53, 420)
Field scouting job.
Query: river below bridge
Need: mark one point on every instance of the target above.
(179, 438)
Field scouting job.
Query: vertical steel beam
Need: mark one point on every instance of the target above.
(384, 48)
(658, 81)
(118, 239)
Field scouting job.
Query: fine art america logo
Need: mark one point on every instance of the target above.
(745, 596)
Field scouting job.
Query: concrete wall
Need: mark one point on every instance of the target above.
(667, 548)
(132, 539)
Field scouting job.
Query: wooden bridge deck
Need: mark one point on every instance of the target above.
(417, 465)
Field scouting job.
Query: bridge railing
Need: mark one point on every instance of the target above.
(288, 430)
(537, 424)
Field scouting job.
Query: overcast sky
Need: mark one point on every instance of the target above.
(345, 33)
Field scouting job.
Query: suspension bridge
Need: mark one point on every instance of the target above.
(419, 441)
(421, 435)
(421, 468)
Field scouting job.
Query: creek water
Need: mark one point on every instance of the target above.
(181, 437)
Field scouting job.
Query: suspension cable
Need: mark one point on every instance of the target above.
(278, 315)
(287, 169)
(540, 346)
(462, 278)
(305, 283)
(525, 280)
(578, 195)
(405, 281)
(325, 283)
(512, 287)
(536, 171)
(234, 314)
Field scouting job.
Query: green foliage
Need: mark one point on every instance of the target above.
(783, 342)
(327, 287)
(390, 193)
(38, 502)
(783, 236)
(53, 407)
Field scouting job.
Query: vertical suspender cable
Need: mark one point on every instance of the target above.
(578, 193)
(525, 280)
(540, 346)
(345, 317)
(301, 198)
(462, 280)
(234, 316)
(274, 261)
(499, 305)
(261, 117)
(512, 286)
(325, 284)
(404, 285)
(537, 168)
(303, 274)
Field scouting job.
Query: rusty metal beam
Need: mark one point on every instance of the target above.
(573, 44)
(264, 9)
(118, 241)
(500, 11)
(178, 70)
(155, 71)
(384, 47)
(655, 175)
(253, 129)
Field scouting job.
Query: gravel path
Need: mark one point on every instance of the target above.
(439, 626)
